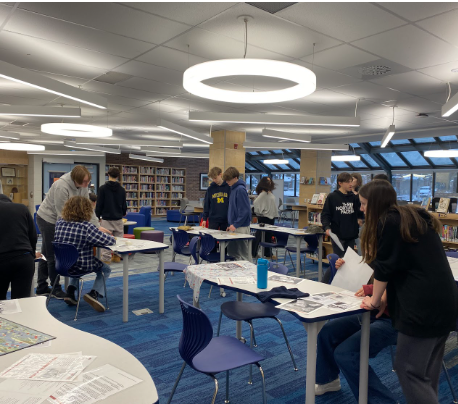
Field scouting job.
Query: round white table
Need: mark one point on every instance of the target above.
(35, 315)
(127, 224)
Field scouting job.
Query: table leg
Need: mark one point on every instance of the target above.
(161, 281)
(238, 324)
(298, 256)
(312, 333)
(250, 246)
(125, 288)
(364, 358)
(320, 257)
(222, 250)
(173, 252)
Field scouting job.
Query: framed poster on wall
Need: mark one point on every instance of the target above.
(8, 172)
(204, 181)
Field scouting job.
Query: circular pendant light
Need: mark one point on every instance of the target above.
(21, 147)
(194, 76)
(75, 130)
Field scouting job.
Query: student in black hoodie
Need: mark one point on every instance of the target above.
(216, 201)
(111, 207)
(341, 213)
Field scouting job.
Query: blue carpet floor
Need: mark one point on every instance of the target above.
(154, 338)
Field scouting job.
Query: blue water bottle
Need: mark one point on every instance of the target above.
(263, 265)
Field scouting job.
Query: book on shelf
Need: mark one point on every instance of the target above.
(321, 199)
(449, 233)
(314, 199)
(315, 218)
(443, 205)
(425, 202)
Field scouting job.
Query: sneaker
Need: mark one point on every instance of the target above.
(93, 299)
(70, 297)
(328, 387)
(59, 294)
(43, 292)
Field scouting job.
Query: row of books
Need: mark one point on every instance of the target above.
(449, 233)
(129, 178)
(177, 188)
(178, 180)
(318, 199)
(145, 187)
(177, 172)
(146, 178)
(315, 218)
(130, 187)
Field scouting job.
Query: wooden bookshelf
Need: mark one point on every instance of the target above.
(448, 219)
(158, 187)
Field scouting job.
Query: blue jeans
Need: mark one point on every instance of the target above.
(338, 349)
(98, 283)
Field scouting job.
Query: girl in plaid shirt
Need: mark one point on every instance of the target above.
(74, 228)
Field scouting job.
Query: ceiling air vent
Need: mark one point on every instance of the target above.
(19, 123)
(271, 8)
(378, 70)
(113, 77)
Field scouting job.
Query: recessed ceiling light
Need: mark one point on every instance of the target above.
(21, 147)
(351, 157)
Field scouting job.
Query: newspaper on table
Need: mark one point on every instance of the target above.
(10, 306)
(14, 391)
(305, 306)
(285, 279)
(228, 266)
(48, 367)
(236, 280)
(337, 301)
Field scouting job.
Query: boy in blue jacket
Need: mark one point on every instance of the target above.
(238, 215)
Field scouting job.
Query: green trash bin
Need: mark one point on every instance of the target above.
(138, 231)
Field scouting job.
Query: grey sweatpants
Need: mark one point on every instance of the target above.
(418, 366)
(117, 228)
(239, 249)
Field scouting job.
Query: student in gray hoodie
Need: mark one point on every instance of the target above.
(74, 183)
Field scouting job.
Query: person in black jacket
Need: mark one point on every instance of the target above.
(111, 207)
(403, 247)
(341, 213)
(18, 241)
(216, 201)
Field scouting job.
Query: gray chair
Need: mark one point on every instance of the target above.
(183, 204)
(282, 213)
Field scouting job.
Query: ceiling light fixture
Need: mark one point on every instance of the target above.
(388, 134)
(21, 147)
(9, 135)
(67, 153)
(75, 130)
(268, 119)
(92, 148)
(182, 155)
(29, 78)
(275, 134)
(21, 110)
(275, 161)
(159, 150)
(351, 157)
(146, 158)
(441, 153)
(181, 130)
(196, 145)
(292, 146)
(121, 142)
(451, 105)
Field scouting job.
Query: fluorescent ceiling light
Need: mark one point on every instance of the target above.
(275, 134)
(9, 135)
(67, 153)
(351, 157)
(450, 106)
(159, 150)
(182, 155)
(274, 119)
(21, 147)
(275, 161)
(194, 76)
(121, 142)
(181, 130)
(40, 111)
(92, 148)
(302, 145)
(441, 153)
(388, 135)
(75, 130)
(146, 158)
(29, 78)
(196, 145)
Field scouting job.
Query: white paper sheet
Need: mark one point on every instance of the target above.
(10, 306)
(336, 240)
(304, 306)
(353, 274)
(285, 279)
(13, 391)
(98, 384)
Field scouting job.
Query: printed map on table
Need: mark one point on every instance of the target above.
(15, 336)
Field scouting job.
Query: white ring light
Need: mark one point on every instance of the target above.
(75, 130)
(21, 147)
(195, 75)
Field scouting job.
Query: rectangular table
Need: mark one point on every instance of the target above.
(312, 322)
(298, 234)
(129, 246)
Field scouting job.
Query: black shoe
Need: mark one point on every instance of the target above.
(70, 297)
(43, 292)
(93, 299)
(59, 294)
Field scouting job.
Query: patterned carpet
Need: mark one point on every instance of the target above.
(153, 339)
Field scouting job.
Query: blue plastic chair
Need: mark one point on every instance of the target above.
(310, 248)
(247, 311)
(66, 257)
(332, 258)
(282, 241)
(146, 211)
(135, 217)
(207, 245)
(211, 355)
(180, 240)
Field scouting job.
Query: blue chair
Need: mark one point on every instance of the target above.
(207, 245)
(178, 266)
(310, 248)
(180, 240)
(66, 257)
(146, 211)
(246, 311)
(135, 217)
(332, 258)
(281, 242)
(211, 355)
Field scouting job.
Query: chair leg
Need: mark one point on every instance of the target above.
(176, 382)
(216, 389)
(291, 259)
(250, 381)
(52, 290)
(392, 359)
(219, 323)
(210, 293)
(226, 401)
(186, 220)
(264, 398)
(287, 343)
(447, 376)
(105, 290)
(80, 292)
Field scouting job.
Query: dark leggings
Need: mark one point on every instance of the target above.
(18, 272)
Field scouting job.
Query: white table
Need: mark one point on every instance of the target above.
(127, 247)
(312, 323)
(35, 315)
(298, 234)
